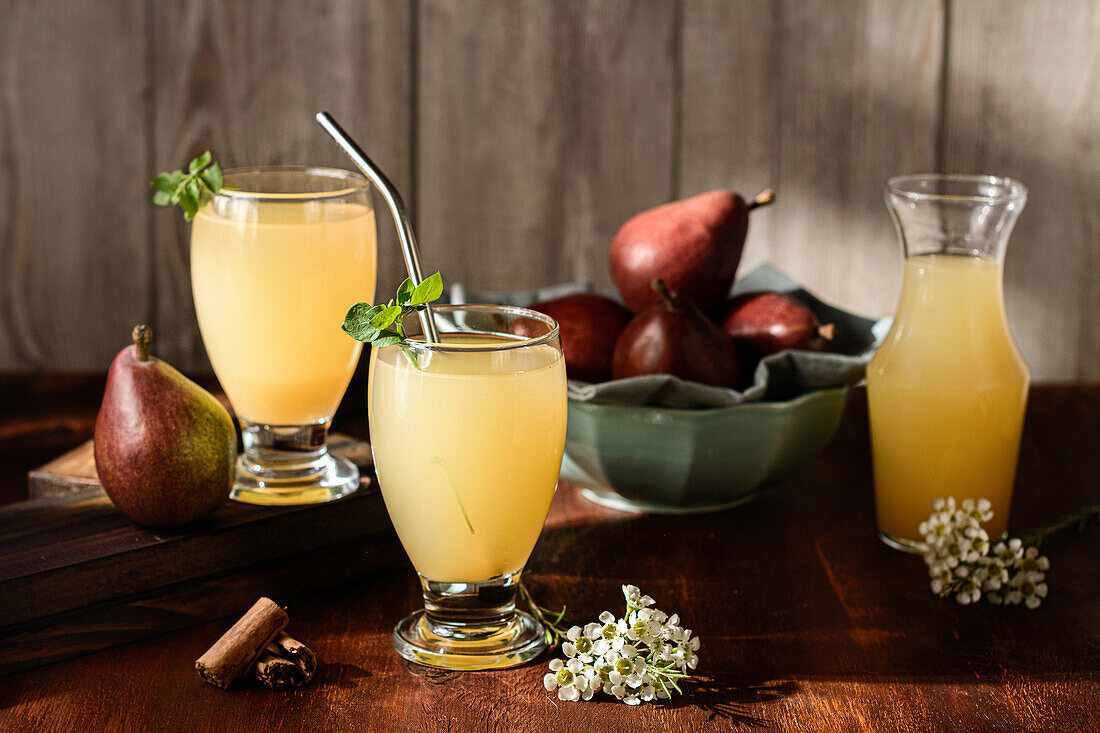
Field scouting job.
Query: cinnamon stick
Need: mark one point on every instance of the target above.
(238, 649)
(285, 662)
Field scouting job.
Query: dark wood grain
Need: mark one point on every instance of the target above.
(808, 623)
(542, 127)
(822, 101)
(62, 552)
(1006, 116)
(71, 565)
(74, 257)
(523, 133)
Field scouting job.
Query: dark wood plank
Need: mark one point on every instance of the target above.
(808, 623)
(62, 552)
(1021, 101)
(542, 127)
(822, 101)
(74, 261)
(245, 80)
(179, 606)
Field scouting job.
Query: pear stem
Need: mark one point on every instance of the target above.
(143, 336)
(763, 198)
(662, 290)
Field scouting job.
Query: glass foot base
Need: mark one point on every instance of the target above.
(334, 478)
(900, 543)
(472, 647)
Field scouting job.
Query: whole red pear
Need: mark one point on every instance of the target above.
(589, 326)
(767, 323)
(672, 336)
(165, 449)
(693, 245)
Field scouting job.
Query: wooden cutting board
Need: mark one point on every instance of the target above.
(75, 470)
(76, 575)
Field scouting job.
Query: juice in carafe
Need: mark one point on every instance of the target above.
(946, 392)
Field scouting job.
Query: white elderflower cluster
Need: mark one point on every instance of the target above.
(635, 658)
(962, 563)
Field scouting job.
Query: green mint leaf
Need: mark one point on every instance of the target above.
(428, 290)
(387, 338)
(404, 292)
(163, 184)
(200, 162)
(385, 316)
(357, 322)
(190, 205)
(381, 325)
(212, 177)
(186, 189)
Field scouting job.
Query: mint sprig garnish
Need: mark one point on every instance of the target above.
(382, 325)
(186, 189)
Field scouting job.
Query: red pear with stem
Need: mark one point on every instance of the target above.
(693, 245)
(672, 336)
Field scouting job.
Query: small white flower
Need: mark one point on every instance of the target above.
(936, 528)
(941, 580)
(981, 511)
(635, 678)
(946, 506)
(618, 667)
(1008, 553)
(570, 679)
(951, 552)
(634, 597)
(969, 592)
(632, 659)
(1032, 562)
(1030, 587)
(580, 646)
(643, 627)
(645, 694)
(974, 544)
(995, 574)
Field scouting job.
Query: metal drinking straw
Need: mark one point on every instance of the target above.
(397, 208)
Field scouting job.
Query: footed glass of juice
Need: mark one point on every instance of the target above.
(276, 256)
(947, 389)
(468, 435)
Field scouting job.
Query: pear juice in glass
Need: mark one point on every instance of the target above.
(468, 444)
(276, 256)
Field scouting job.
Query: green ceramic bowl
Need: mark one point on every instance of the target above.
(673, 461)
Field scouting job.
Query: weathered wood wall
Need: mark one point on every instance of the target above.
(524, 133)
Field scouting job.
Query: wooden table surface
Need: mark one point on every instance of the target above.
(807, 622)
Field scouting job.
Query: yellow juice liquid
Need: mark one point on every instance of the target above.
(482, 432)
(272, 282)
(946, 391)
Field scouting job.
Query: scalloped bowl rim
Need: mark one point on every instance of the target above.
(710, 411)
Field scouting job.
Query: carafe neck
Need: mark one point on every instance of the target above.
(937, 214)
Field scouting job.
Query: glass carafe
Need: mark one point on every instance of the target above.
(947, 389)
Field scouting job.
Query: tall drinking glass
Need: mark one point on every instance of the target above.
(948, 387)
(467, 445)
(276, 256)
